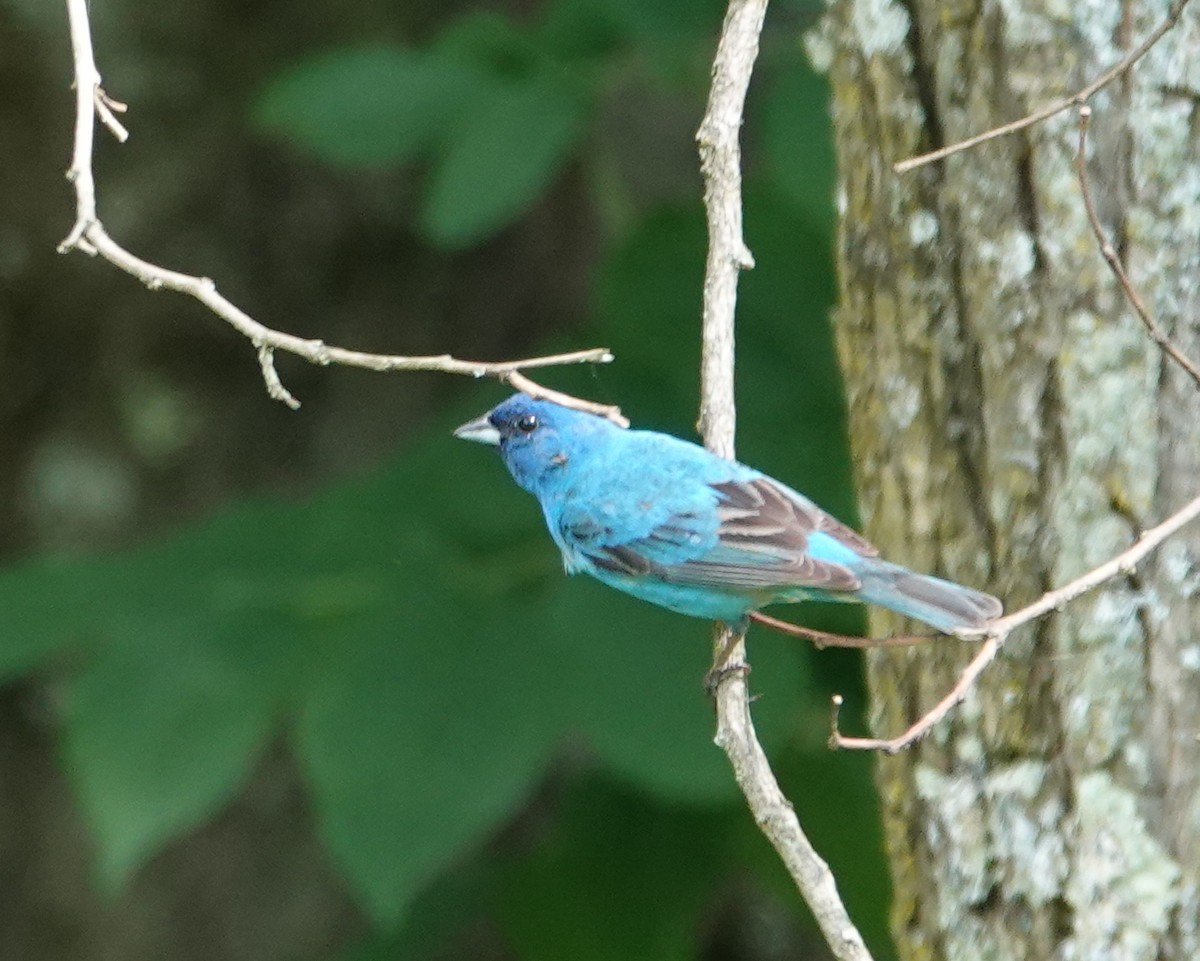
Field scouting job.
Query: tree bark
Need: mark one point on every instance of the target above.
(1013, 426)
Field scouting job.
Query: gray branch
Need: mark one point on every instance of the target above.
(720, 161)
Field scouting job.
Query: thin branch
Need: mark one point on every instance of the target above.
(998, 631)
(519, 381)
(727, 254)
(1157, 334)
(823, 639)
(1058, 106)
(89, 235)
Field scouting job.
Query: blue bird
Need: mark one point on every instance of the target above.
(674, 524)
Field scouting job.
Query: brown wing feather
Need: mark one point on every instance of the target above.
(762, 509)
(756, 517)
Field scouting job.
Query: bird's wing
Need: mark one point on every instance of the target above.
(754, 535)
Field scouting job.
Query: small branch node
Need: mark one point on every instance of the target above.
(835, 715)
(73, 239)
(106, 110)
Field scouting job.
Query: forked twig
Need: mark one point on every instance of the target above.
(88, 234)
(1058, 106)
(997, 633)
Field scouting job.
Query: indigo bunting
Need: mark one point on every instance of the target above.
(674, 524)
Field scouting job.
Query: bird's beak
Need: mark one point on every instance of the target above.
(479, 430)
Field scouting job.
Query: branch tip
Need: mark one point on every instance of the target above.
(275, 388)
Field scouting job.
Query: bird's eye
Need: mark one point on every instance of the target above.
(527, 424)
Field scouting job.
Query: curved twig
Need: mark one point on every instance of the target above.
(998, 632)
(88, 234)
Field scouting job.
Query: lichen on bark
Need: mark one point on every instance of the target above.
(1012, 426)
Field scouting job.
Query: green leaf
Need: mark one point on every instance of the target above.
(427, 721)
(693, 18)
(37, 599)
(489, 40)
(631, 679)
(160, 732)
(439, 915)
(422, 741)
(620, 877)
(371, 107)
(499, 159)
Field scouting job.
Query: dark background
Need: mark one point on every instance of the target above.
(312, 684)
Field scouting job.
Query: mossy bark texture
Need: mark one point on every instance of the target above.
(1013, 426)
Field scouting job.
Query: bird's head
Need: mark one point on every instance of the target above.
(537, 439)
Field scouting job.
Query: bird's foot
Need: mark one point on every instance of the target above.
(824, 639)
(718, 675)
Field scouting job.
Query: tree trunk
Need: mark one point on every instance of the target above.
(1013, 425)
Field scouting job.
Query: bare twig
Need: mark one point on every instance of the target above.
(1058, 106)
(521, 382)
(998, 631)
(1157, 334)
(823, 639)
(89, 235)
(727, 254)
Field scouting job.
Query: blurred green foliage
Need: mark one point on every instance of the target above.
(494, 108)
(412, 632)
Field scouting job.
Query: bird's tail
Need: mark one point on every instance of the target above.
(941, 604)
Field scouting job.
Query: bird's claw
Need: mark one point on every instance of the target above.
(717, 676)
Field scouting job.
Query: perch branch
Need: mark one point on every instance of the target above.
(88, 234)
(727, 255)
(1058, 106)
(823, 639)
